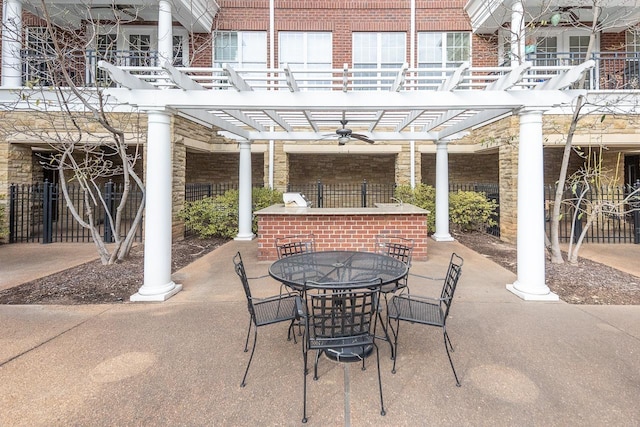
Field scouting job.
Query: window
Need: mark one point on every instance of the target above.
(633, 40)
(37, 56)
(240, 49)
(377, 51)
(133, 46)
(307, 51)
(442, 50)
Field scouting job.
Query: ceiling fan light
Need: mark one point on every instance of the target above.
(555, 19)
(343, 140)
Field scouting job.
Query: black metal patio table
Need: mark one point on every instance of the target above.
(335, 267)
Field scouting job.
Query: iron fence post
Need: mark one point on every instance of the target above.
(320, 193)
(363, 194)
(108, 200)
(13, 191)
(636, 214)
(47, 217)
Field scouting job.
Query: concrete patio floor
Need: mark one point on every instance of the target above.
(181, 362)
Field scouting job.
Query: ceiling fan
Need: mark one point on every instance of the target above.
(345, 134)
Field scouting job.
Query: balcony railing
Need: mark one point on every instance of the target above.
(614, 70)
(42, 69)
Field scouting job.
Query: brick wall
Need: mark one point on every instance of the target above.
(348, 232)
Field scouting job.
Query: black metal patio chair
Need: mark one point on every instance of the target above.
(400, 248)
(340, 318)
(428, 311)
(295, 244)
(264, 311)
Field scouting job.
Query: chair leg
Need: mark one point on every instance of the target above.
(446, 347)
(396, 332)
(304, 387)
(315, 366)
(382, 411)
(246, 342)
(386, 335)
(292, 332)
(253, 349)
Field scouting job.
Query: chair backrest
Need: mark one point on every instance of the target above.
(296, 244)
(340, 310)
(242, 274)
(451, 282)
(395, 246)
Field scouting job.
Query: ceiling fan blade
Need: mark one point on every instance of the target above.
(361, 137)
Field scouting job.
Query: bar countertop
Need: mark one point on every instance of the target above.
(379, 209)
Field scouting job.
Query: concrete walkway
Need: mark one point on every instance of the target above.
(180, 362)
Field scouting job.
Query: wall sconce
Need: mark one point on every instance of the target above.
(555, 19)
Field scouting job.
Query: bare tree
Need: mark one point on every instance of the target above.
(89, 141)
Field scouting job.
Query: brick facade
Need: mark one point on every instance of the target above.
(341, 231)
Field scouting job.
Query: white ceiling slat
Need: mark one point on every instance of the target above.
(124, 78)
(398, 84)
(291, 80)
(510, 79)
(181, 80)
(455, 79)
(234, 78)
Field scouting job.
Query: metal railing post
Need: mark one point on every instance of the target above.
(47, 217)
(636, 214)
(108, 200)
(320, 197)
(13, 201)
(363, 194)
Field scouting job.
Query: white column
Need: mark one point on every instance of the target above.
(530, 284)
(158, 285)
(442, 193)
(165, 31)
(12, 43)
(517, 33)
(245, 209)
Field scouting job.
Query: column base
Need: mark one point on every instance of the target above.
(442, 238)
(156, 297)
(533, 297)
(245, 237)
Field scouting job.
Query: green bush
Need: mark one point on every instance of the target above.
(218, 216)
(423, 196)
(4, 230)
(469, 210)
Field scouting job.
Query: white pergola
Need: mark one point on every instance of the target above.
(405, 104)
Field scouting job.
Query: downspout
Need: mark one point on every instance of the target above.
(272, 65)
(412, 64)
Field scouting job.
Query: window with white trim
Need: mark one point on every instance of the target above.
(307, 51)
(377, 51)
(240, 48)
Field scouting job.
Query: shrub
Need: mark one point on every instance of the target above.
(423, 196)
(469, 210)
(218, 216)
(4, 230)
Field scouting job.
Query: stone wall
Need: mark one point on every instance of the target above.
(463, 168)
(342, 168)
(222, 167)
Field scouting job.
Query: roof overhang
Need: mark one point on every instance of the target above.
(195, 15)
(488, 16)
(386, 105)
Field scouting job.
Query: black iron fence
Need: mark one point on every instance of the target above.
(617, 220)
(344, 195)
(39, 213)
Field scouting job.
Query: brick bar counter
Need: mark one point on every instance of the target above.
(342, 228)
